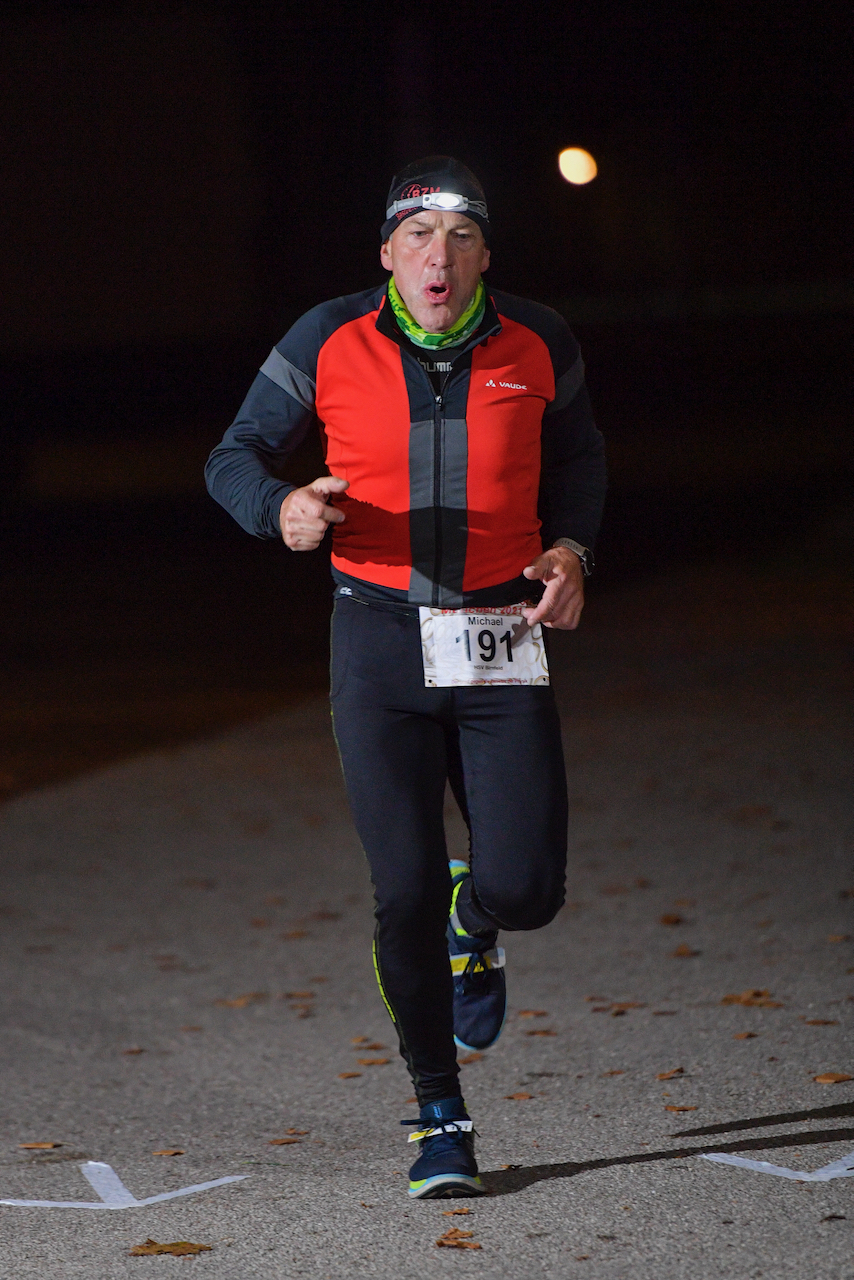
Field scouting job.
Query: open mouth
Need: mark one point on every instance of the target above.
(438, 291)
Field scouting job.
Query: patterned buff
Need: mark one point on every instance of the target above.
(453, 337)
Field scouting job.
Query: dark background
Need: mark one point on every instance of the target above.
(180, 181)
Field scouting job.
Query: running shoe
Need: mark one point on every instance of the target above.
(480, 991)
(446, 1167)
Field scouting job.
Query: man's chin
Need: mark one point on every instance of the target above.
(435, 319)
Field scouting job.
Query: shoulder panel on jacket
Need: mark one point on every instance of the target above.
(301, 344)
(547, 323)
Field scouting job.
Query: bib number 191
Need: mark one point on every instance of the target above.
(481, 646)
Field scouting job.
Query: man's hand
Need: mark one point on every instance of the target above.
(563, 599)
(304, 515)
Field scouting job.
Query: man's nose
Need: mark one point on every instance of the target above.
(441, 249)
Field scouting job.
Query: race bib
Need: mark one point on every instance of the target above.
(481, 646)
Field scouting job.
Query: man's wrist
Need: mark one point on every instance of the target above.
(584, 554)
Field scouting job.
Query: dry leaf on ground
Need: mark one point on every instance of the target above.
(38, 1146)
(469, 1058)
(375, 1045)
(134, 1049)
(360, 1039)
(297, 995)
(301, 1133)
(179, 1249)
(282, 1142)
(597, 999)
(169, 1151)
(832, 1077)
(671, 1108)
(456, 1239)
(453, 1213)
(532, 1013)
(373, 1062)
(745, 1035)
(664, 1013)
(240, 1002)
(518, 1097)
(671, 1075)
(754, 998)
(821, 1022)
(510, 1166)
(349, 1075)
(839, 937)
(612, 1073)
(683, 952)
(541, 1031)
(670, 917)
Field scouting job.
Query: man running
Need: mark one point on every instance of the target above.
(465, 491)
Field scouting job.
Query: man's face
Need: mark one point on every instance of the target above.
(436, 258)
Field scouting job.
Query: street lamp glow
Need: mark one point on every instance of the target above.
(577, 166)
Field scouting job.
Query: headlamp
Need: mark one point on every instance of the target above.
(445, 200)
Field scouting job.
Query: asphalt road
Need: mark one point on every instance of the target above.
(186, 966)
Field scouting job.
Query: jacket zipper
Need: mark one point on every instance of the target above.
(438, 405)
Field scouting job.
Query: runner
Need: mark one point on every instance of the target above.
(465, 491)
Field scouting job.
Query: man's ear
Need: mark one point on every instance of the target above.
(385, 255)
(485, 260)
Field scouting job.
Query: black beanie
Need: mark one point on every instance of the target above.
(430, 175)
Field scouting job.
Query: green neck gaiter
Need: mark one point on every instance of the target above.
(453, 337)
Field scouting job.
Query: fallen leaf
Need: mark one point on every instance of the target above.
(179, 1248)
(349, 1075)
(469, 1058)
(518, 1097)
(133, 1050)
(373, 1062)
(672, 1108)
(240, 1002)
(671, 1075)
(297, 995)
(376, 1045)
(294, 933)
(664, 1013)
(613, 1073)
(597, 999)
(282, 1142)
(454, 1213)
(623, 1005)
(683, 952)
(360, 1039)
(753, 997)
(456, 1239)
(169, 1151)
(670, 917)
(510, 1166)
(38, 1146)
(544, 1031)
(533, 1013)
(839, 937)
(820, 1022)
(744, 1035)
(301, 1133)
(832, 1077)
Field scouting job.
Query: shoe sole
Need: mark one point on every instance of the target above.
(446, 1186)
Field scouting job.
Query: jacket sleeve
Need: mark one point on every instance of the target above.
(573, 478)
(273, 420)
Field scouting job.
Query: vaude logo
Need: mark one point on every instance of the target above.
(513, 386)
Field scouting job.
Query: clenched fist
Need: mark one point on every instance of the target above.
(304, 515)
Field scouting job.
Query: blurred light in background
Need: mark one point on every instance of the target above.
(577, 166)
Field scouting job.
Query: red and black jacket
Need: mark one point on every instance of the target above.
(452, 494)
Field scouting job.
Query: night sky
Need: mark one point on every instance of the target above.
(192, 171)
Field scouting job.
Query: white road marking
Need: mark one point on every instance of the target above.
(843, 1168)
(114, 1194)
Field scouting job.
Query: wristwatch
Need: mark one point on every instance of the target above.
(584, 554)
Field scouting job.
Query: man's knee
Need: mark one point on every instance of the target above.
(523, 906)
